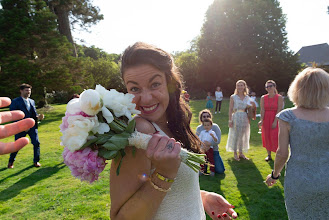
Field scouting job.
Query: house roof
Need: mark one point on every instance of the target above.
(318, 53)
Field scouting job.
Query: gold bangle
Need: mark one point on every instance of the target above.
(160, 177)
(159, 188)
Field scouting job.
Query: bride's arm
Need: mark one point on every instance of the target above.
(132, 194)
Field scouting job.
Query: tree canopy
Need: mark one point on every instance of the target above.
(33, 51)
(245, 40)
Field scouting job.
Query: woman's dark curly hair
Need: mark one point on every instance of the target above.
(178, 112)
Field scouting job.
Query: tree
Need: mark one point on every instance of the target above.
(33, 51)
(80, 12)
(188, 63)
(245, 40)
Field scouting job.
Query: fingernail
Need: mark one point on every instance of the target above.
(224, 215)
(218, 216)
(213, 213)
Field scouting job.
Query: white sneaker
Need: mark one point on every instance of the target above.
(218, 112)
(215, 112)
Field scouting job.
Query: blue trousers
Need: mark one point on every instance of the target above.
(219, 165)
(33, 133)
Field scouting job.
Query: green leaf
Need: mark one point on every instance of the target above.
(123, 153)
(134, 151)
(111, 146)
(115, 127)
(120, 140)
(100, 117)
(102, 139)
(131, 126)
(120, 122)
(109, 155)
(89, 143)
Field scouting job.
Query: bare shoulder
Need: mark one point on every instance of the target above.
(144, 126)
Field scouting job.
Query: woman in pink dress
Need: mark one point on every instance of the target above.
(270, 105)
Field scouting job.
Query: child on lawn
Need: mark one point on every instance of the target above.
(208, 135)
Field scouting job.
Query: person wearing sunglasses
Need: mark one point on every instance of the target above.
(206, 114)
(270, 105)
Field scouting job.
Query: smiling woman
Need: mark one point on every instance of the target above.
(154, 184)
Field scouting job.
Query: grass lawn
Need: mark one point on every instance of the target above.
(50, 192)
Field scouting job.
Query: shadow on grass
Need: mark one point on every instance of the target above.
(257, 197)
(212, 183)
(30, 180)
(15, 174)
(52, 118)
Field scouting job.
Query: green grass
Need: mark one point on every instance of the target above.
(50, 192)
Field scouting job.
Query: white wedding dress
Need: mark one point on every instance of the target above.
(183, 202)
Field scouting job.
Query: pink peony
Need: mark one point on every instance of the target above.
(84, 164)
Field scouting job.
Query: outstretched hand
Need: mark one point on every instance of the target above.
(13, 128)
(217, 207)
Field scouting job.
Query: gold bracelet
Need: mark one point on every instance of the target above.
(160, 177)
(159, 188)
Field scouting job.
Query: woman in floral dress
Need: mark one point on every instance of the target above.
(239, 127)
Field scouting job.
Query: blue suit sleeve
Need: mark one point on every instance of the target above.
(13, 106)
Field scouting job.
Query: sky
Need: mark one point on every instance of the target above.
(173, 24)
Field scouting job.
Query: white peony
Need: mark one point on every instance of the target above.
(90, 102)
(74, 138)
(73, 106)
(102, 91)
(121, 104)
(85, 124)
(107, 115)
(101, 128)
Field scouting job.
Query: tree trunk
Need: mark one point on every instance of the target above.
(64, 24)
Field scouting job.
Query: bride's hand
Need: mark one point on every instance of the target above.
(217, 207)
(164, 152)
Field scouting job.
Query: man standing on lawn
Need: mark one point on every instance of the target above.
(27, 105)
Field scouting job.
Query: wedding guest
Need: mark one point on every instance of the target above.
(219, 98)
(283, 97)
(209, 104)
(204, 114)
(186, 96)
(75, 96)
(12, 128)
(270, 105)
(154, 184)
(208, 135)
(239, 127)
(253, 99)
(305, 129)
(27, 105)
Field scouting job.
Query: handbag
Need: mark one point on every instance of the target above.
(251, 111)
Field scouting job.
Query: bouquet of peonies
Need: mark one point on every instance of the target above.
(98, 126)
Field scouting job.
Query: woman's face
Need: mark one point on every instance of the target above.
(149, 85)
(218, 89)
(205, 115)
(240, 87)
(269, 87)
